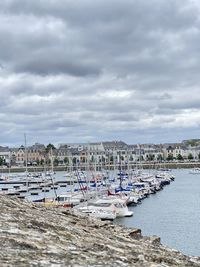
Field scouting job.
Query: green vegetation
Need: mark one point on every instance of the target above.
(159, 157)
(111, 159)
(122, 158)
(141, 158)
(179, 157)
(55, 162)
(49, 147)
(66, 160)
(190, 156)
(192, 142)
(151, 157)
(74, 161)
(170, 157)
(2, 161)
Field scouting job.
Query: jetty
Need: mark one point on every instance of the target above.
(19, 187)
(39, 236)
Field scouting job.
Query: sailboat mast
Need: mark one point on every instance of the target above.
(26, 161)
(52, 174)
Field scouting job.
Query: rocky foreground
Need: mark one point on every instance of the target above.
(36, 236)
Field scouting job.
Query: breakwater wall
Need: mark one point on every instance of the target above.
(37, 236)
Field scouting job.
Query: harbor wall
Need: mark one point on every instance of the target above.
(151, 165)
(38, 236)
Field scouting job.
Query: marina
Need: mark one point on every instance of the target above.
(100, 133)
(118, 195)
(131, 185)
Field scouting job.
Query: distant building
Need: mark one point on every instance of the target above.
(35, 153)
(105, 152)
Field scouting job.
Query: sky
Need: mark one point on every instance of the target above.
(95, 70)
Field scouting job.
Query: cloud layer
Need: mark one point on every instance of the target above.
(80, 71)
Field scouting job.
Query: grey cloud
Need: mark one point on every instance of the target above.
(101, 37)
(79, 70)
(46, 65)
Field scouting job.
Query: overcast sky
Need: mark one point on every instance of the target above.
(91, 70)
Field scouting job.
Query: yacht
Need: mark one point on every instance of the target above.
(120, 205)
(104, 211)
(69, 199)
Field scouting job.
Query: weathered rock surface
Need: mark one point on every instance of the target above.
(36, 236)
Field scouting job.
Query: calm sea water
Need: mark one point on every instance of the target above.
(172, 213)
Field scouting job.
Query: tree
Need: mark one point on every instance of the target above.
(192, 142)
(111, 159)
(179, 157)
(1, 161)
(55, 162)
(150, 157)
(49, 147)
(66, 160)
(170, 157)
(159, 157)
(42, 162)
(122, 158)
(141, 158)
(190, 156)
(199, 156)
(74, 161)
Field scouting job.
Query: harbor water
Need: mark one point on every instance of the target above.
(172, 214)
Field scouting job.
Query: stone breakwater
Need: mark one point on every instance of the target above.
(37, 236)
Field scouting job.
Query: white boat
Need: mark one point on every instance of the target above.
(134, 198)
(70, 199)
(104, 211)
(103, 215)
(67, 200)
(166, 175)
(120, 205)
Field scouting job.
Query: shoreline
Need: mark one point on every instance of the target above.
(38, 236)
(153, 165)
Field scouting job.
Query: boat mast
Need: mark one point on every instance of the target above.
(9, 166)
(26, 161)
(52, 173)
(120, 170)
